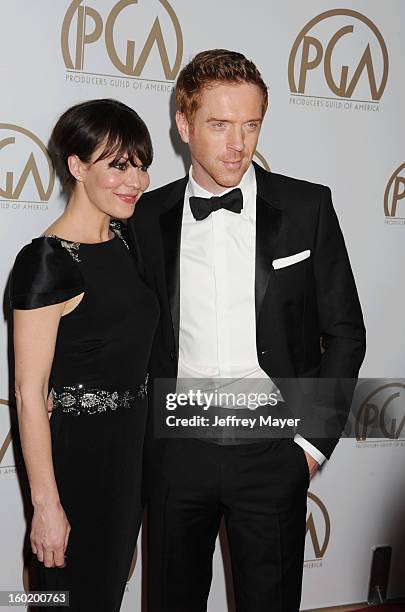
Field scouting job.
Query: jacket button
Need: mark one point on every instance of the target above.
(264, 351)
(172, 356)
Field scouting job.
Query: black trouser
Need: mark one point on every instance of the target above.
(260, 489)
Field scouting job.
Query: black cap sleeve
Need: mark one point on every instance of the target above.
(44, 274)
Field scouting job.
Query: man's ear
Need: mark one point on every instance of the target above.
(183, 126)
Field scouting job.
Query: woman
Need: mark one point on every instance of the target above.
(83, 327)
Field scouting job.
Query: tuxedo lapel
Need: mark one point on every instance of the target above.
(268, 223)
(170, 225)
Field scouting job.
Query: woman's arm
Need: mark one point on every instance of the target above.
(35, 334)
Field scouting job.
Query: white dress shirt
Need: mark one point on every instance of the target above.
(217, 295)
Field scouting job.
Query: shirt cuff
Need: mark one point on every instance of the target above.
(310, 448)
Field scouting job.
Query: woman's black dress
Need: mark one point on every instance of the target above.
(99, 382)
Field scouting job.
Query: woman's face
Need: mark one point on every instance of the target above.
(114, 187)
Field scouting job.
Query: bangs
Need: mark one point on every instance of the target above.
(127, 136)
(130, 148)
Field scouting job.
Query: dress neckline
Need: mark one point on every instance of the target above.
(114, 227)
(86, 244)
(74, 247)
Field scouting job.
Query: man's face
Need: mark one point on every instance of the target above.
(223, 134)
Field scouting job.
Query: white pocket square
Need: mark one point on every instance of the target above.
(283, 262)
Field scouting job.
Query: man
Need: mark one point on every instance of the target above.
(248, 285)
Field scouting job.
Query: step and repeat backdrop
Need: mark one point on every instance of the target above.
(336, 77)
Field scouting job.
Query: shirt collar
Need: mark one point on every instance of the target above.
(247, 185)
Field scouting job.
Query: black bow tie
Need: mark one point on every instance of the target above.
(203, 207)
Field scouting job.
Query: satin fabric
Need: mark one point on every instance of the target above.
(44, 274)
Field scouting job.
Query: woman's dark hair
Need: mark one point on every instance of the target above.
(86, 126)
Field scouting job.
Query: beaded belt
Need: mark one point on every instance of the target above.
(79, 399)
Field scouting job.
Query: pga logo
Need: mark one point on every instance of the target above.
(341, 54)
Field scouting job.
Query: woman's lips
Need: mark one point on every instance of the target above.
(128, 199)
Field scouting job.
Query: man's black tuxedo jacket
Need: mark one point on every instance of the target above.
(298, 308)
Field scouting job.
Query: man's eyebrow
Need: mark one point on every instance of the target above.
(218, 119)
(257, 120)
